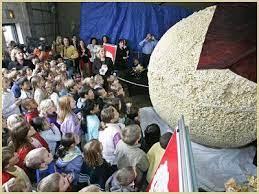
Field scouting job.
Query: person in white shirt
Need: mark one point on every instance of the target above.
(93, 48)
(50, 89)
(25, 89)
(9, 102)
(110, 134)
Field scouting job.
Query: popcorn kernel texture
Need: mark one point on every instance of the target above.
(219, 106)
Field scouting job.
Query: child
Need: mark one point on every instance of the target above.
(116, 103)
(72, 88)
(13, 119)
(69, 156)
(91, 188)
(55, 183)
(5, 135)
(129, 154)
(100, 93)
(42, 161)
(9, 167)
(156, 153)
(68, 119)
(50, 133)
(30, 107)
(50, 89)
(92, 120)
(28, 71)
(16, 185)
(21, 141)
(37, 84)
(25, 89)
(60, 88)
(110, 134)
(137, 68)
(9, 103)
(15, 78)
(85, 95)
(48, 109)
(152, 135)
(136, 63)
(89, 81)
(95, 169)
(122, 181)
(35, 139)
(53, 63)
(99, 81)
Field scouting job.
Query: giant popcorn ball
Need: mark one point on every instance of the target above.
(219, 106)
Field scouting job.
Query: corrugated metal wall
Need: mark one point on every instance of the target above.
(43, 20)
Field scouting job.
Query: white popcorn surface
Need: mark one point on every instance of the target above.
(219, 106)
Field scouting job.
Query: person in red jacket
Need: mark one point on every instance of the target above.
(30, 109)
(35, 138)
(21, 141)
(24, 138)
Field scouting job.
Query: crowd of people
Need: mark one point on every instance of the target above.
(66, 125)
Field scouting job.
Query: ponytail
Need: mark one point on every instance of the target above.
(61, 152)
(67, 140)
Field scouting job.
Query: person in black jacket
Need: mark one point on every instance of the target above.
(95, 169)
(102, 65)
(18, 61)
(84, 59)
(121, 56)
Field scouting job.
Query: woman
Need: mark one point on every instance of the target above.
(102, 65)
(93, 47)
(84, 60)
(57, 47)
(18, 61)
(105, 39)
(75, 43)
(69, 55)
(121, 56)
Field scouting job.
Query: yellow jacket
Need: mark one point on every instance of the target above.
(70, 52)
(154, 156)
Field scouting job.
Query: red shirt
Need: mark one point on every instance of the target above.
(31, 115)
(41, 140)
(6, 177)
(22, 152)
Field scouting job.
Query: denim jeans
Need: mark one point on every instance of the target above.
(70, 68)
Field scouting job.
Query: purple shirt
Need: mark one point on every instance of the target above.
(71, 124)
(53, 119)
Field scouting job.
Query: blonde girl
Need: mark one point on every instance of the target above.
(69, 121)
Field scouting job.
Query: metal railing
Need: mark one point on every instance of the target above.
(187, 174)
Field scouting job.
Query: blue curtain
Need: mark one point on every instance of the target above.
(130, 21)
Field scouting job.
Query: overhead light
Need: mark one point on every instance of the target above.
(10, 14)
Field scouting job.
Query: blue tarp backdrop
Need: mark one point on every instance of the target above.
(130, 21)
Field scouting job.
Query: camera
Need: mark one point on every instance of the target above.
(43, 46)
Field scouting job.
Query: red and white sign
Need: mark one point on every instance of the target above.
(166, 178)
(110, 51)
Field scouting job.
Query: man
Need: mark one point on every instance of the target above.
(148, 45)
